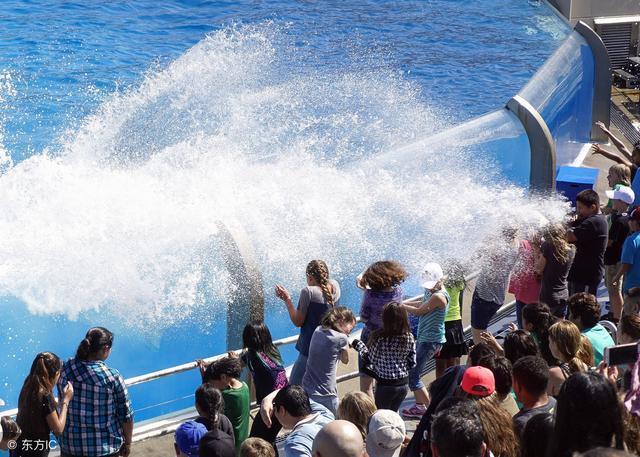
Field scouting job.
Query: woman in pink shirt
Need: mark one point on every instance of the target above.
(524, 283)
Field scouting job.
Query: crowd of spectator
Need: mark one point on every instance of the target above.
(550, 389)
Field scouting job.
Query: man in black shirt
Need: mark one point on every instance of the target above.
(589, 234)
(621, 198)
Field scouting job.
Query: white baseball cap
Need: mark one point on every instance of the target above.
(623, 193)
(431, 274)
(386, 434)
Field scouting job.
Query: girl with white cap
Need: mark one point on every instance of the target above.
(431, 309)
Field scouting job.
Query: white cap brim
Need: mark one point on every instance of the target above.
(428, 284)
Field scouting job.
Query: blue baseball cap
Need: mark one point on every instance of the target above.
(188, 437)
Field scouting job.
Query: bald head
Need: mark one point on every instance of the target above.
(338, 439)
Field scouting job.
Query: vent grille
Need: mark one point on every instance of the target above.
(617, 40)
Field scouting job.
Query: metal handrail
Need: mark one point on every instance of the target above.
(193, 365)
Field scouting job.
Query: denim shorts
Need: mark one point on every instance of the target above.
(482, 311)
(424, 353)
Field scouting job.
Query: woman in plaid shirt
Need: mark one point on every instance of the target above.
(100, 417)
(389, 355)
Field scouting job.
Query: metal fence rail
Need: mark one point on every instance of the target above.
(167, 423)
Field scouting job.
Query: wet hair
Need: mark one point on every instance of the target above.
(209, 400)
(582, 425)
(501, 369)
(96, 339)
(588, 198)
(229, 366)
(10, 429)
(458, 431)
(630, 326)
(479, 351)
(540, 317)
(536, 435)
(395, 322)
(384, 274)
(532, 373)
(621, 174)
(556, 236)
(257, 337)
(499, 434)
(256, 447)
(566, 336)
(518, 344)
(337, 315)
(586, 307)
(357, 408)
(294, 400)
(38, 383)
(454, 274)
(585, 353)
(319, 271)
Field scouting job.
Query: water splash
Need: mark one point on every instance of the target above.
(240, 129)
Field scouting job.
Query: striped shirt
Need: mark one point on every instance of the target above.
(431, 325)
(99, 407)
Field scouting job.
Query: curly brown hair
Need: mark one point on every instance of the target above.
(498, 429)
(384, 274)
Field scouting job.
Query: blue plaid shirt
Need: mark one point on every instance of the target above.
(99, 407)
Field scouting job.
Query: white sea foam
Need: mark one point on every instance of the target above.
(238, 130)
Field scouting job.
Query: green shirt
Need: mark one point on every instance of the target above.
(453, 313)
(600, 339)
(236, 408)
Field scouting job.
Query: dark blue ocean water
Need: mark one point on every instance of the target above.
(60, 61)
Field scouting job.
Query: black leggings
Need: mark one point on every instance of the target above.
(260, 430)
(390, 397)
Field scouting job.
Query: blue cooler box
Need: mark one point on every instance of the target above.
(572, 180)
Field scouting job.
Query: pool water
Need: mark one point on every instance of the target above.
(98, 99)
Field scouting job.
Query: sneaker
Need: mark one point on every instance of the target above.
(415, 412)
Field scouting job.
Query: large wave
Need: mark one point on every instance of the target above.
(239, 129)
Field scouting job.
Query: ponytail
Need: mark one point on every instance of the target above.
(37, 384)
(209, 400)
(567, 338)
(540, 317)
(337, 315)
(97, 338)
(319, 271)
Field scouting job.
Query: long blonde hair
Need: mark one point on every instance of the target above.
(357, 408)
(567, 338)
(319, 271)
(585, 353)
(556, 235)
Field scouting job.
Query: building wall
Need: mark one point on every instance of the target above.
(587, 10)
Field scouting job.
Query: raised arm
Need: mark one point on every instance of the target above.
(620, 146)
(437, 301)
(56, 421)
(296, 316)
(597, 149)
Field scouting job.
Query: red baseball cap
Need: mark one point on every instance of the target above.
(635, 214)
(478, 381)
